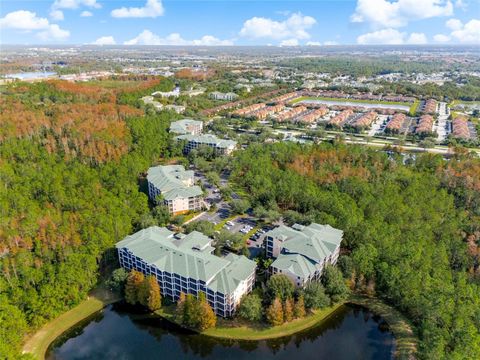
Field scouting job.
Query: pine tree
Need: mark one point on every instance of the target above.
(207, 318)
(275, 313)
(134, 283)
(154, 299)
(288, 310)
(299, 308)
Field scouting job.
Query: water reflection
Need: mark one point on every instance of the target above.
(115, 333)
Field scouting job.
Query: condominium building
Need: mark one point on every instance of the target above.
(301, 252)
(185, 263)
(221, 146)
(229, 96)
(176, 187)
(187, 126)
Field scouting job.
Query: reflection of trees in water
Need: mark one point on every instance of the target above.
(203, 346)
(76, 330)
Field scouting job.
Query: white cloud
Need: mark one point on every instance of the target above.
(394, 14)
(441, 38)
(86, 14)
(23, 20)
(75, 4)
(105, 40)
(461, 5)
(148, 38)
(417, 39)
(152, 9)
(289, 42)
(454, 24)
(56, 15)
(318, 43)
(28, 21)
(53, 32)
(385, 36)
(469, 33)
(294, 27)
(391, 37)
(209, 40)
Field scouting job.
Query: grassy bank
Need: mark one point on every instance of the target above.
(227, 329)
(405, 337)
(38, 343)
(240, 330)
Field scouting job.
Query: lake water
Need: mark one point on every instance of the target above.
(351, 333)
(359, 104)
(30, 75)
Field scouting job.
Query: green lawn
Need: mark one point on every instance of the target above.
(414, 107)
(228, 329)
(240, 330)
(39, 342)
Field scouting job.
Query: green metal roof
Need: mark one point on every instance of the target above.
(305, 246)
(296, 264)
(209, 139)
(172, 181)
(181, 126)
(189, 256)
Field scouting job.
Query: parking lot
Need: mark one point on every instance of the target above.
(242, 224)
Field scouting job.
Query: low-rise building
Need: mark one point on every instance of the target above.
(229, 96)
(186, 264)
(301, 252)
(187, 126)
(221, 146)
(176, 187)
(166, 94)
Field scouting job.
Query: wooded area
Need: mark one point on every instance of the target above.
(411, 231)
(62, 212)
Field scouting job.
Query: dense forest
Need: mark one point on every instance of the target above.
(369, 66)
(69, 191)
(70, 159)
(411, 231)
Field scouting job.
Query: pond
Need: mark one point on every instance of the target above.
(30, 75)
(357, 104)
(351, 333)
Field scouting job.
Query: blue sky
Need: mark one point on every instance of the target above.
(239, 22)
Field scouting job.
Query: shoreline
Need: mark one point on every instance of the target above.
(258, 332)
(402, 330)
(406, 340)
(38, 342)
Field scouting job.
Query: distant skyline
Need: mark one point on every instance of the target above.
(239, 22)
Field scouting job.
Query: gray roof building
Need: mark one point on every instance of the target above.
(173, 182)
(302, 251)
(185, 263)
(186, 126)
(194, 141)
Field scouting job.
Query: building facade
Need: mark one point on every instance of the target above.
(186, 264)
(176, 187)
(302, 252)
(221, 146)
(229, 96)
(186, 126)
